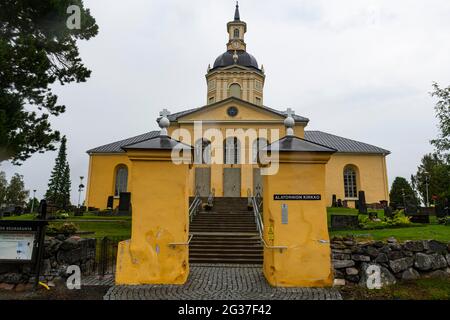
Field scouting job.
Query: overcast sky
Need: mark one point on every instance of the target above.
(361, 69)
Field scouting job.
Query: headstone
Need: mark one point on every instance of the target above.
(124, 203)
(345, 204)
(110, 203)
(362, 207)
(342, 222)
(388, 212)
(419, 218)
(339, 203)
(333, 201)
(42, 209)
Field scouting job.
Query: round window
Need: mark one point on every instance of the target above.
(232, 111)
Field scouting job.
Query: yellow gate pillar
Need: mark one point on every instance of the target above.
(297, 250)
(157, 252)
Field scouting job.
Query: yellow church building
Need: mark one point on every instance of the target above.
(235, 103)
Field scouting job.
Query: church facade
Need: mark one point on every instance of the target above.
(235, 112)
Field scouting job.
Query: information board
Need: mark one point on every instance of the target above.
(16, 246)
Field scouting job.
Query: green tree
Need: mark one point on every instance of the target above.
(433, 168)
(442, 109)
(58, 192)
(15, 193)
(3, 187)
(35, 206)
(37, 49)
(400, 186)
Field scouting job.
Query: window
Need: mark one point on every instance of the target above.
(202, 152)
(232, 154)
(121, 180)
(211, 100)
(350, 187)
(258, 145)
(236, 33)
(235, 90)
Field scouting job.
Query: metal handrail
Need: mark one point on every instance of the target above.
(211, 197)
(260, 225)
(174, 244)
(193, 208)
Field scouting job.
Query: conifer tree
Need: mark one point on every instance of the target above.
(58, 192)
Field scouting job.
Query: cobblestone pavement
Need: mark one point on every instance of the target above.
(107, 280)
(221, 282)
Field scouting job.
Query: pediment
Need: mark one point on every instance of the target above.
(246, 112)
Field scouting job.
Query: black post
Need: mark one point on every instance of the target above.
(41, 239)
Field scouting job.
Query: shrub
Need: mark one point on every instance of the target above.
(398, 220)
(65, 228)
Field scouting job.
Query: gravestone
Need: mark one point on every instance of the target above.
(388, 212)
(342, 222)
(419, 218)
(110, 203)
(333, 201)
(124, 204)
(339, 203)
(42, 209)
(373, 215)
(362, 207)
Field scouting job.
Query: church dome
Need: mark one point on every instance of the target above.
(244, 59)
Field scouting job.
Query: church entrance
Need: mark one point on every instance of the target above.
(231, 182)
(257, 181)
(203, 181)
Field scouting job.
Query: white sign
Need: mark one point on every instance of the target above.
(16, 246)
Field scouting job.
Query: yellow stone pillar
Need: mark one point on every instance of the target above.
(297, 251)
(157, 252)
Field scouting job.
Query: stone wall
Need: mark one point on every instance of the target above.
(397, 261)
(60, 252)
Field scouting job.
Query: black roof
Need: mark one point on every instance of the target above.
(342, 145)
(245, 59)
(292, 143)
(157, 142)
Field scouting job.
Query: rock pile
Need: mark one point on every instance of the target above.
(406, 261)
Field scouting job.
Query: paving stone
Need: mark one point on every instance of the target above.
(223, 282)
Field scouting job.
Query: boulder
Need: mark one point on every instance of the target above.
(352, 278)
(70, 243)
(395, 246)
(415, 246)
(391, 240)
(372, 251)
(340, 264)
(382, 258)
(386, 277)
(339, 274)
(360, 257)
(422, 261)
(401, 264)
(378, 244)
(437, 274)
(339, 282)
(410, 274)
(438, 261)
(351, 271)
(395, 255)
(436, 247)
(447, 257)
(340, 256)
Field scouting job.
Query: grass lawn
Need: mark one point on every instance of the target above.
(422, 289)
(415, 232)
(111, 226)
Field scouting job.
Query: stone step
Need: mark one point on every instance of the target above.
(226, 260)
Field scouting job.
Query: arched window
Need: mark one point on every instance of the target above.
(236, 33)
(202, 151)
(121, 180)
(258, 145)
(350, 186)
(235, 90)
(232, 154)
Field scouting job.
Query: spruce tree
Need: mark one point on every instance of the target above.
(58, 192)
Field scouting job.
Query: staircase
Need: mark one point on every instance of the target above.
(226, 234)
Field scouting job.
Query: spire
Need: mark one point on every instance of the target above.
(237, 16)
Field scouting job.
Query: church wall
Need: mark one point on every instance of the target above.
(371, 176)
(102, 168)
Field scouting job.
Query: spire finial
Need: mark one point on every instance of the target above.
(164, 122)
(289, 122)
(237, 16)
